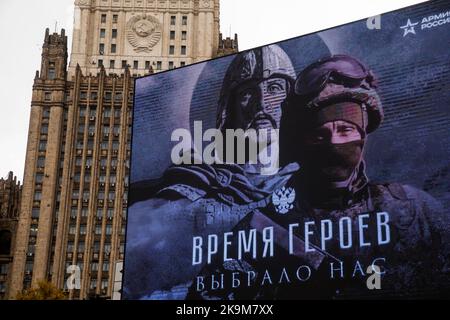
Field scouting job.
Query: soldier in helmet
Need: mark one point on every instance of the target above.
(325, 126)
(202, 198)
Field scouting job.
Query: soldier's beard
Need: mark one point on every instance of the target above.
(332, 165)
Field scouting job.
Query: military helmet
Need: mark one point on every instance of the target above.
(253, 66)
(341, 81)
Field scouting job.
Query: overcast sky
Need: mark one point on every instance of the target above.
(257, 22)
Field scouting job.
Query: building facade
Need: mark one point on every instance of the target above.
(74, 199)
(10, 193)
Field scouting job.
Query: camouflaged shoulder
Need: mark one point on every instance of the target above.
(185, 191)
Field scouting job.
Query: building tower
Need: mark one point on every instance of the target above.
(10, 192)
(74, 197)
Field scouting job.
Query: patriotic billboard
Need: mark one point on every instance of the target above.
(316, 167)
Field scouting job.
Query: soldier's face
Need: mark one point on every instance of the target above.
(335, 132)
(258, 105)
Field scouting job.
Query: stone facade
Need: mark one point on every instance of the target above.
(74, 196)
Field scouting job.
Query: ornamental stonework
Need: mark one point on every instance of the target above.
(143, 32)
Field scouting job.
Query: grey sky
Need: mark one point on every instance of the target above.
(257, 22)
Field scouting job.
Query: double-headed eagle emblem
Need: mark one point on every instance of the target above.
(143, 32)
(283, 200)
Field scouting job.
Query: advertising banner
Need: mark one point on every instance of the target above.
(313, 168)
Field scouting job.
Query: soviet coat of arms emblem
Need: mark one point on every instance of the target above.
(283, 200)
(143, 32)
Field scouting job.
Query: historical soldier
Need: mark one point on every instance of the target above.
(194, 199)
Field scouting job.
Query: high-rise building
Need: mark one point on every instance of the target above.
(10, 192)
(74, 197)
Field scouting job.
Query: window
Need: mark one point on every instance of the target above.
(39, 178)
(81, 247)
(44, 129)
(41, 162)
(48, 96)
(101, 49)
(96, 246)
(84, 212)
(100, 63)
(173, 20)
(112, 196)
(171, 65)
(5, 242)
(99, 213)
(3, 269)
(108, 231)
(147, 65)
(51, 71)
(110, 213)
(35, 213)
(108, 96)
(37, 196)
(113, 48)
(94, 266)
(75, 194)
(172, 35)
(159, 65)
(98, 229)
(184, 21)
(83, 229)
(172, 50)
(93, 97)
(182, 63)
(33, 230)
(70, 246)
(183, 50)
(184, 35)
(81, 128)
(93, 285)
(112, 64)
(115, 18)
(82, 110)
(42, 145)
(31, 249)
(114, 33)
(102, 33)
(105, 267)
(72, 229)
(135, 64)
(103, 18)
(124, 64)
(104, 284)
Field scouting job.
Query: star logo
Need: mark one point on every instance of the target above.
(409, 28)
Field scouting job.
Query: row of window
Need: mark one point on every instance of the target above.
(108, 96)
(113, 33)
(115, 18)
(101, 50)
(97, 231)
(173, 19)
(159, 64)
